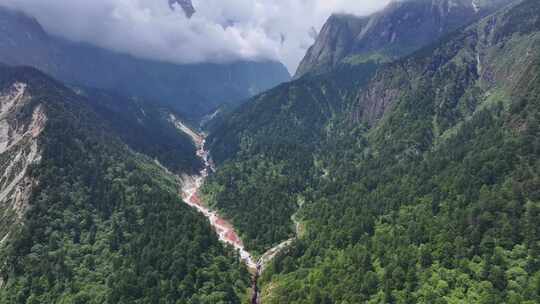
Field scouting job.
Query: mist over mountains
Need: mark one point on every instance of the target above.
(192, 89)
(219, 31)
(144, 162)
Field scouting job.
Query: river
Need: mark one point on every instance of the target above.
(191, 186)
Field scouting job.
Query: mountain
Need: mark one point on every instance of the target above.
(400, 29)
(194, 90)
(412, 181)
(20, 127)
(186, 6)
(84, 219)
(266, 145)
(145, 128)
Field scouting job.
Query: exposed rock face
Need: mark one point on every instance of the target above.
(376, 99)
(472, 58)
(400, 29)
(334, 42)
(21, 123)
(186, 6)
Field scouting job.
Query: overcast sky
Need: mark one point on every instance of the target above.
(220, 31)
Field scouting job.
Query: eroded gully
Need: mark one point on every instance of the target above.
(191, 186)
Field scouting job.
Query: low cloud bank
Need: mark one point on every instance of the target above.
(219, 31)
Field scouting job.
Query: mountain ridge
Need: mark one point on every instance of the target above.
(417, 185)
(195, 90)
(397, 30)
(99, 222)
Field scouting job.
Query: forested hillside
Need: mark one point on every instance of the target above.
(103, 224)
(421, 184)
(145, 128)
(392, 171)
(271, 140)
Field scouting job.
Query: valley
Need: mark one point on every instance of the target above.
(226, 232)
(117, 214)
(400, 165)
(190, 195)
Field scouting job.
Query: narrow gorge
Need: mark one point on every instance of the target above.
(226, 232)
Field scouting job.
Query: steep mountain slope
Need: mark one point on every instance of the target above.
(401, 28)
(265, 152)
(20, 125)
(145, 128)
(422, 188)
(191, 89)
(95, 222)
(438, 199)
(280, 129)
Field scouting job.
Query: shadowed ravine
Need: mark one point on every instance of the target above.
(191, 186)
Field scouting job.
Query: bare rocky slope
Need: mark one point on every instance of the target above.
(21, 123)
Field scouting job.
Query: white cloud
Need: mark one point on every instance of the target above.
(220, 31)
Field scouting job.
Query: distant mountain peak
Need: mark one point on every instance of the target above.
(401, 28)
(186, 6)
